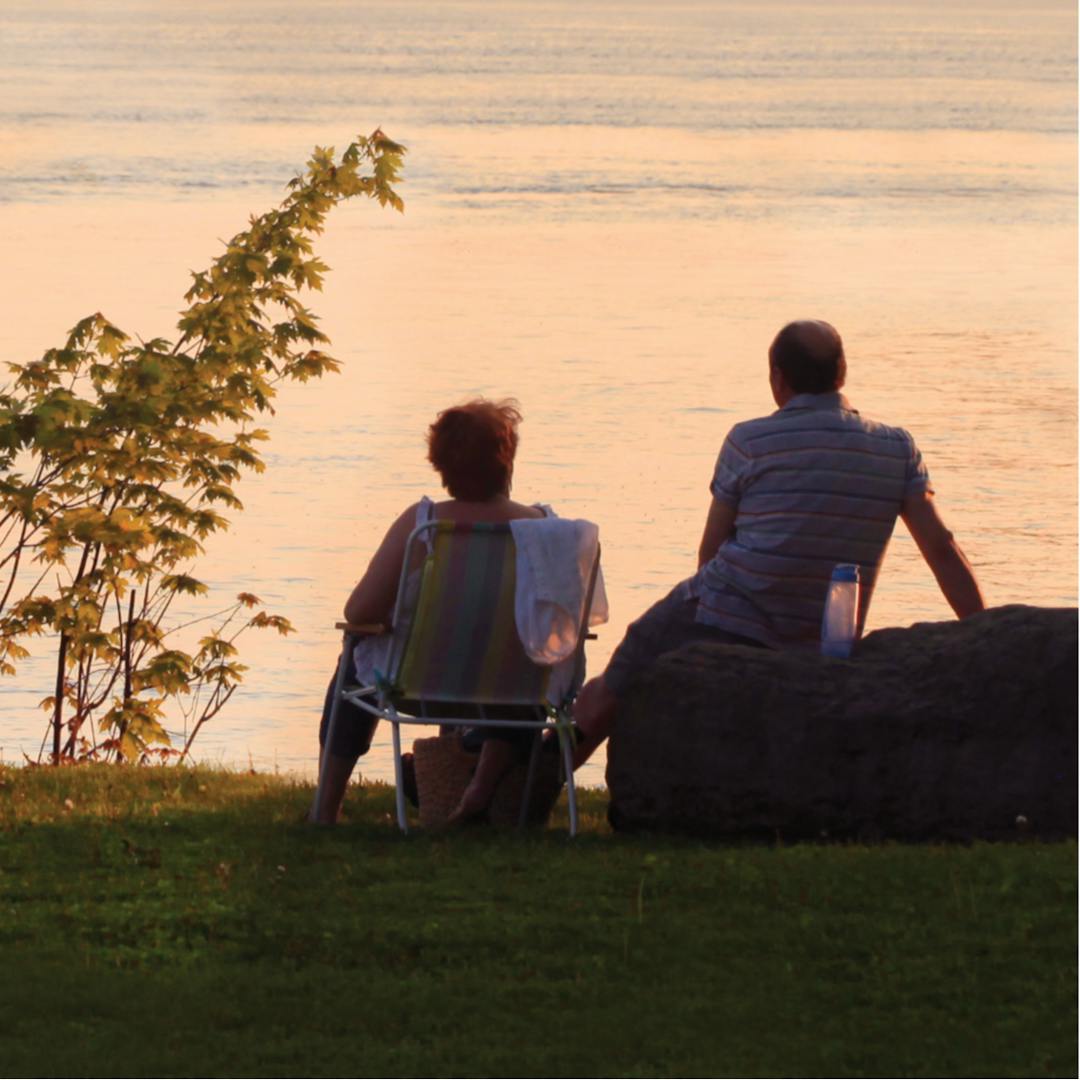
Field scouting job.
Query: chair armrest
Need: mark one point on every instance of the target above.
(362, 629)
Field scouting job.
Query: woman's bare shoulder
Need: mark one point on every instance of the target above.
(506, 510)
(410, 511)
(403, 524)
(526, 510)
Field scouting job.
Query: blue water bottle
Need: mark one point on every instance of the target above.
(839, 623)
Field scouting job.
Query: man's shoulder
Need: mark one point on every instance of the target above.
(748, 433)
(891, 432)
(745, 431)
(811, 419)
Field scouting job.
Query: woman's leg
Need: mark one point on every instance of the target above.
(497, 757)
(334, 773)
(353, 730)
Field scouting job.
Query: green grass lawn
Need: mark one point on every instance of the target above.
(183, 922)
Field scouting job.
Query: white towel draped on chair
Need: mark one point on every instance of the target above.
(551, 587)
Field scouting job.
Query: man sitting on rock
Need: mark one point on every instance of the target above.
(794, 494)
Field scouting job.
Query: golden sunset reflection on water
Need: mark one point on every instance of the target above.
(621, 276)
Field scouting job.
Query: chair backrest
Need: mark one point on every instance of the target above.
(455, 638)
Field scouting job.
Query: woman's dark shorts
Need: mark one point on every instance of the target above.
(353, 729)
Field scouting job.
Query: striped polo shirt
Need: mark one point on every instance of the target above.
(814, 484)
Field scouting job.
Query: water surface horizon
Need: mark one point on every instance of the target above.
(609, 214)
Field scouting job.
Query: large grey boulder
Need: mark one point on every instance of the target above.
(953, 730)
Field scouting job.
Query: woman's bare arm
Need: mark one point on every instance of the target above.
(372, 601)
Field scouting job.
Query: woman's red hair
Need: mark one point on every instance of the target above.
(472, 447)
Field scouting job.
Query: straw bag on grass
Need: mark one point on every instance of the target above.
(443, 771)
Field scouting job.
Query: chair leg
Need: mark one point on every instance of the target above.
(399, 778)
(568, 764)
(530, 779)
(331, 725)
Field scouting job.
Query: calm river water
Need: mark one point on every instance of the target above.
(611, 208)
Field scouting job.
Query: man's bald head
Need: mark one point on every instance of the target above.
(810, 356)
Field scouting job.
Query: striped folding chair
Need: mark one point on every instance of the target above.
(456, 659)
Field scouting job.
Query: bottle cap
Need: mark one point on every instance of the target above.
(846, 572)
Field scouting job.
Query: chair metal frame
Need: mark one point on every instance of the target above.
(554, 716)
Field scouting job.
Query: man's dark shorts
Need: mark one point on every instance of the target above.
(667, 625)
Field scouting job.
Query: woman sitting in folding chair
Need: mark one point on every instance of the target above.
(472, 447)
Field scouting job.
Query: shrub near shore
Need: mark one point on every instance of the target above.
(183, 922)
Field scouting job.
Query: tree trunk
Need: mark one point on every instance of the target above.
(58, 706)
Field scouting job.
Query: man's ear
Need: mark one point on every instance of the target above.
(781, 391)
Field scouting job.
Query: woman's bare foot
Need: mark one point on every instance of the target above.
(470, 808)
(496, 758)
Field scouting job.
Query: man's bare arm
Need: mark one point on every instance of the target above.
(942, 553)
(719, 525)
